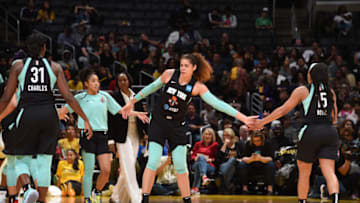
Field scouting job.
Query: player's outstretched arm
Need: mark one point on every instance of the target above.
(208, 97)
(146, 91)
(298, 95)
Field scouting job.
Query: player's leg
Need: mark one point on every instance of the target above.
(179, 159)
(328, 170)
(23, 164)
(304, 180)
(155, 152)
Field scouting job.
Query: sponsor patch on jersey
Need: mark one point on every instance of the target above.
(166, 106)
(188, 88)
(102, 99)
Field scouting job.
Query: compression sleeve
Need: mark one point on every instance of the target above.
(151, 88)
(218, 104)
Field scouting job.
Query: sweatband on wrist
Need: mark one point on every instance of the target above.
(218, 104)
(151, 88)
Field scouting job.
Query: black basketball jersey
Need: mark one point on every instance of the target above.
(36, 82)
(175, 98)
(318, 106)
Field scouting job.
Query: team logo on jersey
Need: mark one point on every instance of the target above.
(173, 101)
(102, 99)
(188, 88)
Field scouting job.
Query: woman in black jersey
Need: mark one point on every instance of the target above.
(168, 118)
(318, 138)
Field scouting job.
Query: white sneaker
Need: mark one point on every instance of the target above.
(323, 192)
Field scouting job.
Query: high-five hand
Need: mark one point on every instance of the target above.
(125, 111)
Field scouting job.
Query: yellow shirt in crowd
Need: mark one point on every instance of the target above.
(65, 144)
(65, 172)
(76, 87)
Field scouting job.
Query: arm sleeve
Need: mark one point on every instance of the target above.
(112, 105)
(218, 104)
(151, 88)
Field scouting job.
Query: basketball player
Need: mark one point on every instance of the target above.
(318, 138)
(36, 125)
(168, 119)
(96, 105)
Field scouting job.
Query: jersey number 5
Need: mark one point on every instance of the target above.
(323, 100)
(35, 74)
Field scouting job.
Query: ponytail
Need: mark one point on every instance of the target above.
(204, 70)
(320, 79)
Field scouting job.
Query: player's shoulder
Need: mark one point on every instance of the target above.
(80, 95)
(104, 93)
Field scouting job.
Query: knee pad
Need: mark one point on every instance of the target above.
(179, 159)
(23, 165)
(155, 152)
(43, 167)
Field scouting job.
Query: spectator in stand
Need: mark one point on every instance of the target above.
(106, 57)
(28, 17)
(83, 13)
(215, 18)
(285, 70)
(263, 22)
(228, 156)
(203, 155)
(217, 65)
(79, 32)
(65, 36)
(279, 140)
(86, 48)
(307, 54)
(70, 141)
(289, 130)
(68, 64)
(343, 21)
(239, 80)
(257, 160)
(209, 116)
(244, 134)
(350, 77)
(347, 113)
(46, 14)
(75, 83)
(69, 174)
(194, 122)
(229, 19)
(105, 77)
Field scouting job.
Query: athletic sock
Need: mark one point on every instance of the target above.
(96, 191)
(187, 200)
(145, 198)
(302, 200)
(13, 198)
(335, 197)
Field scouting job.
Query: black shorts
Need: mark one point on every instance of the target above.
(97, 143)
(318, 141)
(34, 131)
(171, 130)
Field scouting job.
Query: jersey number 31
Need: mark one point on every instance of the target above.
(35, 74)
